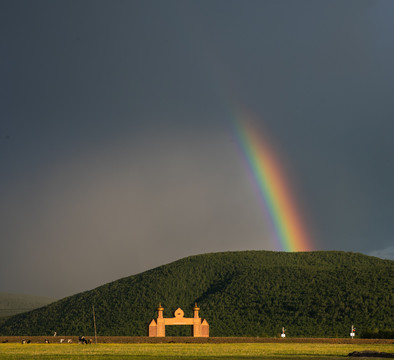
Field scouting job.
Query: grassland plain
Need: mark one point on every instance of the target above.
(243, 351)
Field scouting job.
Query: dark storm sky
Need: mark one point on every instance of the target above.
(116, 147)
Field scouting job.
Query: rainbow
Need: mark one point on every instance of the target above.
(275, 193)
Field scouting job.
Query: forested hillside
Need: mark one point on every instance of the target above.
(11, 304)
(249, 293)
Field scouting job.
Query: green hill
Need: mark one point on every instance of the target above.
(12, 304)
(249, 293)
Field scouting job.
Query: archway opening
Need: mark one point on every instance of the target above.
(179, 330)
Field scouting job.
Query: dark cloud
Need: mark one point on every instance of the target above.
(116, 146)
(120, 210)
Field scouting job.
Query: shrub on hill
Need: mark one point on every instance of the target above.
(377, 334)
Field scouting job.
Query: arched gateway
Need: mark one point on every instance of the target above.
(158, 328)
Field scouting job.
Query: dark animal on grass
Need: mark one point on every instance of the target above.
(82, 340)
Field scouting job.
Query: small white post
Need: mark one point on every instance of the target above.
(283, 335)
(353, 332)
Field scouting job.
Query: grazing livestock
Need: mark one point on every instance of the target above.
(69, 341)
(82, 340)
(61, 341)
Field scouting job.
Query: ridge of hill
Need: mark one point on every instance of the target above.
(12, 304)
(245, 293)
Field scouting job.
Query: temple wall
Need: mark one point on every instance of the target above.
(179, 321)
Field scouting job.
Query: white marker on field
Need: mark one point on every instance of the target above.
(283, 333)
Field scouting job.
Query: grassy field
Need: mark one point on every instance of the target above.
(185, 351)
